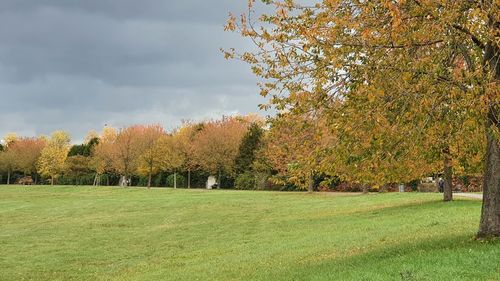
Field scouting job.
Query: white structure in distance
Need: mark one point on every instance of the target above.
(211, 182)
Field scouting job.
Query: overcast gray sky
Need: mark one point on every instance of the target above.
(78, 65)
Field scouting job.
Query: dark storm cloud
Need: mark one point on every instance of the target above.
(77, 65)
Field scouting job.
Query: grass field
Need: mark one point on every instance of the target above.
(84, 233)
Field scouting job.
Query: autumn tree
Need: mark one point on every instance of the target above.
(27, 151)
(126, 152)
(294, 147)
(7, 158)
(185, 137)
(149, 159)
(171, 157)
(216, 146)
(53, 156)
(355, 51)
(102, 154)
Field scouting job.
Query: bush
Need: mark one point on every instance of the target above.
(181, 181)
(245, 181)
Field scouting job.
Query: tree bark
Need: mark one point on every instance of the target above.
(149, 181)
(189, 178)
(490, 213)
(448, 176)
(175, 180)
(8, 177)
(51, 180)
(219, 180)
(311, 184)
(365, 189)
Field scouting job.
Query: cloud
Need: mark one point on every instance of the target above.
(77, 65)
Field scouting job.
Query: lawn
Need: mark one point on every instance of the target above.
(85, 233)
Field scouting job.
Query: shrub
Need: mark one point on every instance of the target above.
(245, 181)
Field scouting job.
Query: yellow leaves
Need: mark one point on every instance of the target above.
(10, 138)
(54, 154)
(371, 96)
(281, 13)
(249, 58)
(230, 23)
(390, 63)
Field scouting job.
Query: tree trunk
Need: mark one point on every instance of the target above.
(311, 184)
(189, 178)
(149, 181)
(123, 181)
(175, 180)
(107, 179)
(448, 176)
(8, 177)
(365, 189)
(219, 180)
(36, 178)
(51, 180)
(490, 213)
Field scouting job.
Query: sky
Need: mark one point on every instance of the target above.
(80, 65)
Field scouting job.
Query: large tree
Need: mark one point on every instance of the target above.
(442, 53)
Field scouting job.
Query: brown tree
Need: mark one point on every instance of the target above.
(126, 152)
(216, 146)
(27, 151)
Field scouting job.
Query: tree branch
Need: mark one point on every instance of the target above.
(472, 36)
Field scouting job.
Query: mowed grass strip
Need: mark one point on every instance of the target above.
(85, 233)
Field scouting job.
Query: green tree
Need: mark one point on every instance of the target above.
(249, 145)
(77, 166)
(84, 149)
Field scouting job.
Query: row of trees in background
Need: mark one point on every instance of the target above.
(217, 147)
(289, 152)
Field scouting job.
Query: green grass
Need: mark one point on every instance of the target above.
(84, 233)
